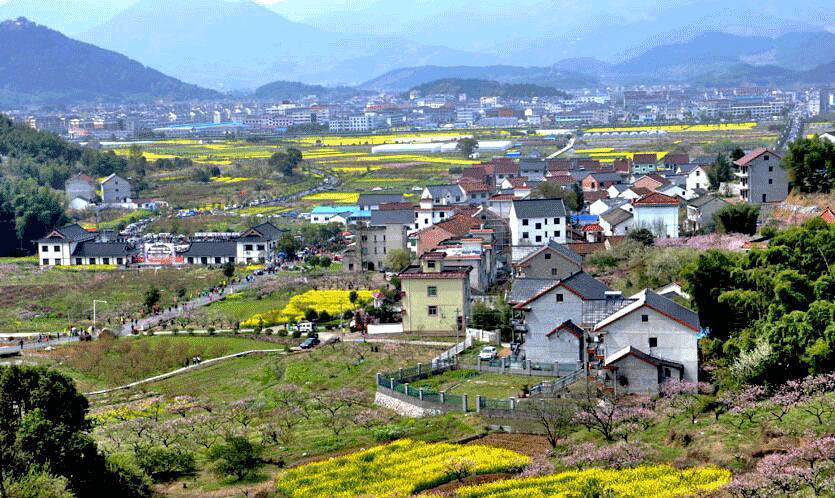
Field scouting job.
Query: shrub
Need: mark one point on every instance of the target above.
(297, 333)
(268, 331)
(211, 330)
(282, 332)
(165, 463)
(236, 456)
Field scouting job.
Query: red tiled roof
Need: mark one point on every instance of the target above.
(586, 248)
(560, 180)
(747, 158)
(559, 165)
(459, 225)
(589, 197)
(641, 191)
(506, 168)
(594, 227)
(621, 165)
(475, 187)
(678, 158)
(645, 158)
(516, 182)
(828, 216)
(656, 199)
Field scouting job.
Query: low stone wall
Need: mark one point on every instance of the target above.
(409, 406)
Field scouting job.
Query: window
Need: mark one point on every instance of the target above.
(539, 226)
(260, 247)
(525, 222)
(556, 221)
(442, 214)
(431, 291)
(45, 261)
(426, 221)
(217, 260)
(539, 238)
(91, 261)
(430, 264)
(556, 233)
(764, 198)
(57, 248)
(44, 248)
(247, 247)
(57, 262)
(524, 235)
(653, 342)
(770, 169)
(105, 261)
(231, 260)
(118, 261)
(432, 311)
(770, 181)
(553, 272)
(644, 318)
(204, 260)
(190, 260)
(79, 261)
(559, 294)
(547, 255)
(765, 157)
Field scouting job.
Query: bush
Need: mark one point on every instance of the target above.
(282, 332)
(236, 456)
(297, 333)
(126, 479)
(268, 332)
(162, 464)
(211, 330)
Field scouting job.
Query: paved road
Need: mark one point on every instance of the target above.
(30, 346)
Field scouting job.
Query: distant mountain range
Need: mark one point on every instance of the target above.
(281, 90)
(226, 45)
(39, 65)
(476, 88)
(406, 78)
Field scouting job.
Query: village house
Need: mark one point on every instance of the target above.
(80, 191)
(536, 221)
(643, 164)
(700, 212)
(616, 222)
(761, 177)
(658, 213)
(594, 182)
(116, 191)
(386, 231)
(696, 176)
(372, 202)
(550, 261)
(436, 296)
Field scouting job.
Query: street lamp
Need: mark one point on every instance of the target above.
(94, 312)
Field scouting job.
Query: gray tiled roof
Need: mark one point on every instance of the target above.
(72, 233)
(616, 216)
(212, 249)
(587, 286)
(91, 249)
(704, 200)
(539, 208)
(393, 216)
(376, 199)
(568, 253)
(607, 177)
(439, 191)
(267, 230)
(526, 288)
(672, 309)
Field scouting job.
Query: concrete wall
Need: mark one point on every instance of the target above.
(759, 172)
(661, 220)
(546, 230)
(641, 376)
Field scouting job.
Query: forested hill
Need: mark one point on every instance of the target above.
(33, 165)
(39, 65)
(477, 88)
(279, 90)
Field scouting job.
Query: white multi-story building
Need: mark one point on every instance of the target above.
(658, 213)
(536, 221)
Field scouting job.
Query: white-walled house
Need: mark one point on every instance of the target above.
(657, 212)
(616, 222)
(553, 316)
(649, 340)
(536, 221)
(696, 176)
(115, 190)
(58, 246)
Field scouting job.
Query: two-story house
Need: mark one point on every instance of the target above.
(658, 213)
(58, 246)
(257, 244)
(700, 212)
(761, 177)
(644, 163)
(80, 191)
(695, 176)
(436, 296)
(536, 221)
(550, 261)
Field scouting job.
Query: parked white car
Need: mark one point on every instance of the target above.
(487, 353)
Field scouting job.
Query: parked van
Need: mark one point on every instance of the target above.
(306, 327)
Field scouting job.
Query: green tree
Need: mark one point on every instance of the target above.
(719, 171)
(152, 297)
(737, 154)
(466, 146)
(810, 163)
(642, 235)
(352, 297)
(228, 269)
(236, 456)
(739, 218)
(398, 259)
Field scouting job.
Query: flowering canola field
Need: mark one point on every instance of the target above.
(399, 469)
(702, 128)
(334, 197)
(332, 301)
(660, 481)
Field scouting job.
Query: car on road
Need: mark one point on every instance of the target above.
(309, 343)
(487, 353)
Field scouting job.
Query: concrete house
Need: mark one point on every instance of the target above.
(700, 212)
(651, 182)
(386, 231)
(551, 261)
(594, 182)
(761, 177)
(658, 213)
(616, 222)
(436, 296)
(553, 317)
(536, 221)
(80, 191)
(696, 176)
(644, 163)
(647, 341)
(255, 245)
(58, 246)
(211, 253)
(115, 190)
